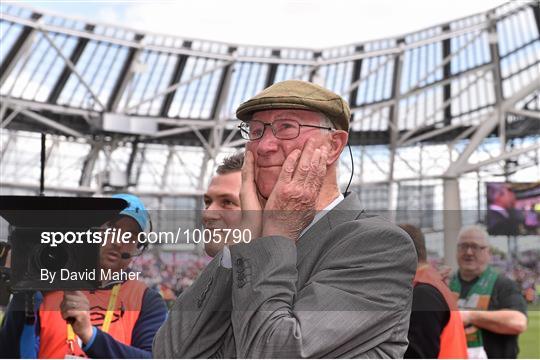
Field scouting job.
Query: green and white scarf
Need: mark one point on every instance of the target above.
(476, 299)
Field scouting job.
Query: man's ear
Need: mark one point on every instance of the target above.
(338, 141)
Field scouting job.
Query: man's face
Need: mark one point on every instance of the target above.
(473, 253)
(111, 253)
(222, 205)
(270, 153)
(506, 198)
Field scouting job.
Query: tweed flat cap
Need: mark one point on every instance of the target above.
(296, 94)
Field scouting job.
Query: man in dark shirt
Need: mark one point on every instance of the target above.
(429, 316)
(506, 315)
(434, 330)
(503, 218)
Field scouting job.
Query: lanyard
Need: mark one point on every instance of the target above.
(106, 322)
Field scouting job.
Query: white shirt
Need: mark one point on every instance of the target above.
(226, 260)
(499, 209)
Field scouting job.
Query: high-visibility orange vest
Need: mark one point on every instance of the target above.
(453, 341)
(53, 329)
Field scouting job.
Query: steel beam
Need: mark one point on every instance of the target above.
(389, 51)
(526, 113)
(181, 61)
(21, 46)
(497, 77)
(536, 12)
(172, 88)
(66, 72)
(6, 147)
(393, 126)
(504, 156)
(166, 168)
(53, 124)
(451, 219)
(5, 122)
(486, 128)
(73, 69)
(272, 70)
(141, 163)
(222, 90)
(125, 76)
(356, 74)
(132, 155)
(89, 163)
(447, 73)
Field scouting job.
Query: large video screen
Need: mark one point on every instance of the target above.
(513, 208)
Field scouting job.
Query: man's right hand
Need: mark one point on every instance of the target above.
(293, 202)
(75, 308)
(249, 199)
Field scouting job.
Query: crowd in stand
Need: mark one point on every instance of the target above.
(169, 273)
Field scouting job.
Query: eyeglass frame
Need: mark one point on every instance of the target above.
(265, 124)
(474, 247)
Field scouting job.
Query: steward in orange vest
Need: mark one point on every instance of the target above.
(453, 342)
(119, 320)
(436, 329)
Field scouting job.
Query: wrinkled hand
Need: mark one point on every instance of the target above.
(75, 309)
(249, 199)
(292, 204)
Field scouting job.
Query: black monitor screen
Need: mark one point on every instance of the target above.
(513, 208)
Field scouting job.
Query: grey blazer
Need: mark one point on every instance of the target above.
(343, 290)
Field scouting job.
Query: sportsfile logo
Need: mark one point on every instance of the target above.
(117, 236)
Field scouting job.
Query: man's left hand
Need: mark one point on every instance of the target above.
(292, 204)
(75, 308)
(466, 317)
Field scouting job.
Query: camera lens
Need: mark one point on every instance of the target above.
(52, 258)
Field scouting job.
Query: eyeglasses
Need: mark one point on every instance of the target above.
(283, 129)
(475, 248)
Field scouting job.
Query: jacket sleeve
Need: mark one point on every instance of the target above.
(356, 302)
(199, 321)
(152, 315)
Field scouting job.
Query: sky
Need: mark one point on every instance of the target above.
(284, 23)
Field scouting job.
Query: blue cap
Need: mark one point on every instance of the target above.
(135, 210)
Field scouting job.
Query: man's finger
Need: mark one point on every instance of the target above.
(322, 164)
(248, 190)
(247, 168)
(288, 167)
(313, 178)
(73, 314)
(304, 163)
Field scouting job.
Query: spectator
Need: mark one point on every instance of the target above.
(436, 329)
(493, 333)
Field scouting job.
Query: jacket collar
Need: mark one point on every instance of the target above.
(347, 210)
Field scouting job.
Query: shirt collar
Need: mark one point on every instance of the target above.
(323, 212)
(499, 209)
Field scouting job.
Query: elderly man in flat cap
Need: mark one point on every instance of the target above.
(320, 277)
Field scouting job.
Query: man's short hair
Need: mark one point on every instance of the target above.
(231, 164)
(476, 229)
(418, 238)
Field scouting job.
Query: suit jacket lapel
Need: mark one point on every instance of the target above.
(347, 210)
